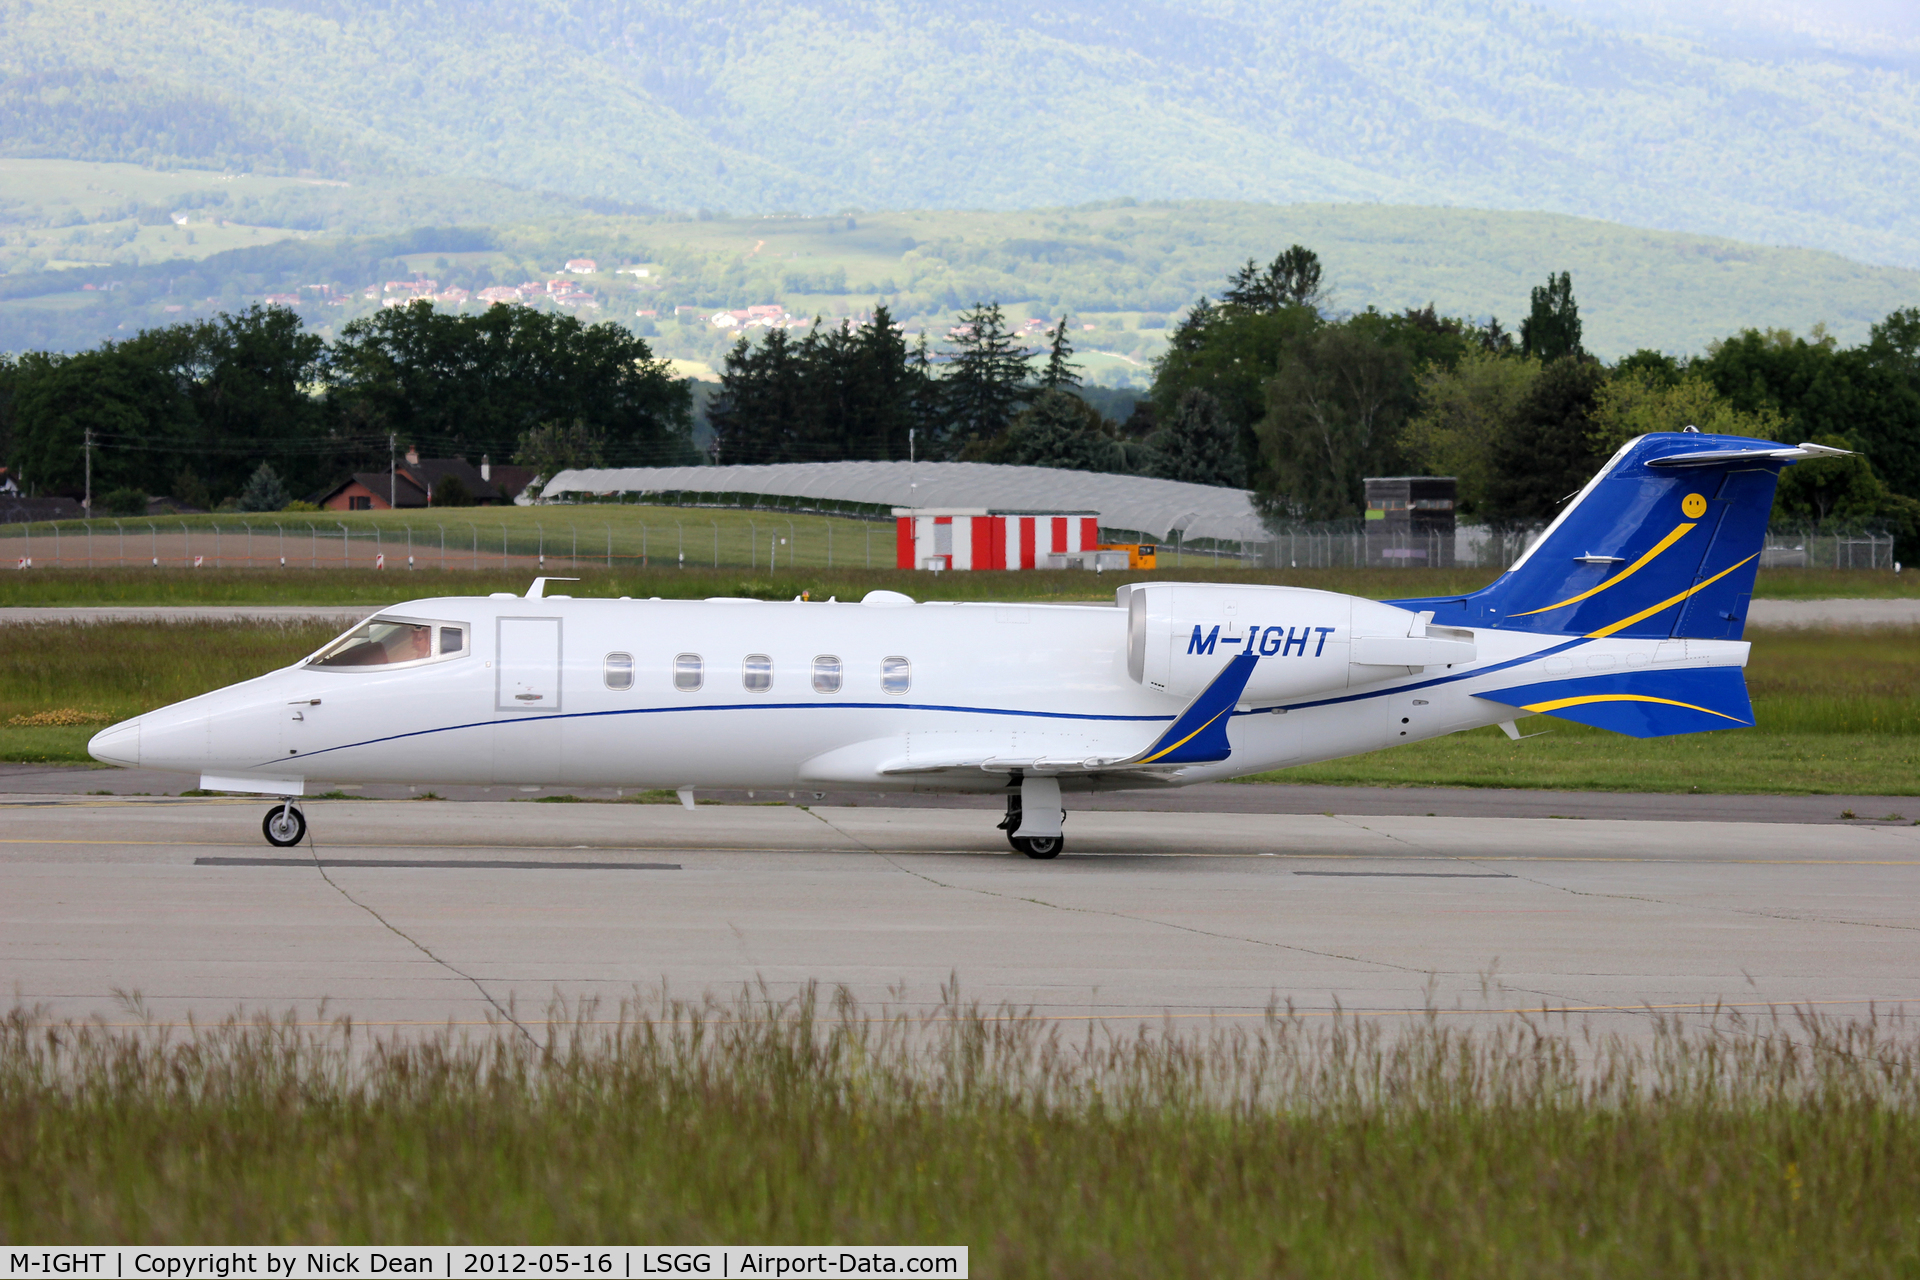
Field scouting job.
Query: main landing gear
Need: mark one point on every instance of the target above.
(1034, 817)
(285, 826)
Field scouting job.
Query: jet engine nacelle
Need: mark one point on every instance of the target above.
(1179, 634)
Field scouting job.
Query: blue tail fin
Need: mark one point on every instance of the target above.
(1664, 541)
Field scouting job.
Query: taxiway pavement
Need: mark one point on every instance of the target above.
(421, 914)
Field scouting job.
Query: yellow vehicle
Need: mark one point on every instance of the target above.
(1140, 555)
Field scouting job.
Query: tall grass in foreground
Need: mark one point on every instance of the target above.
(1510, 1146)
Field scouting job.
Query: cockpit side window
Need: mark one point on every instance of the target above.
(387, 642)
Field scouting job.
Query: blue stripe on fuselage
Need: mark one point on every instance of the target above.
(913, 706)
(727, 706)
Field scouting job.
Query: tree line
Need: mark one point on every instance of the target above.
(1260, 388)
(862, 392)
(194, 410)
(1524, 419)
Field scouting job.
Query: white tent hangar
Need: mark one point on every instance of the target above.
(1154, 509)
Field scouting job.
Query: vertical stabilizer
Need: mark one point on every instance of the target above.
(1664, 541)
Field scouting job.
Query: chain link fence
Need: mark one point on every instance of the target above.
(762, 540)
(762, 543)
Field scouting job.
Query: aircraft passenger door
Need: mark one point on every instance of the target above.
(527, 665)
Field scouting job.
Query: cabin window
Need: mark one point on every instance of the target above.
(826, 674)
(618, 670)
(361, 503)
(896, 675)
(452, 640)
(687, 672)
(756, 673)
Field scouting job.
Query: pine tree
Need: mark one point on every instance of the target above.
(1061, 430)
(264, 492)
(1060, 371)
(1199, 446)
(1553, 328)
(1292, 279)
(987, 379)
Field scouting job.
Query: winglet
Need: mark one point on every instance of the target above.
(1199, 734)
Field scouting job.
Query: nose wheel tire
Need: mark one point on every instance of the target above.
(1041, 847)
(285, 826)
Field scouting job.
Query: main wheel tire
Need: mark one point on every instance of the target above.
(284, 827)
(1041, 847)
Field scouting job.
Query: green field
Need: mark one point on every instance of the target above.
(1838, 711)
(1436, 1145)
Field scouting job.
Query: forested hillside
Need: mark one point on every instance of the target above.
(757, 107)
(1126, 270)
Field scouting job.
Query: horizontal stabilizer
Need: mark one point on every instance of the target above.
(1716, 457)
(1641, 704)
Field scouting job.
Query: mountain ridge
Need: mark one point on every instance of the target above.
(904, 103)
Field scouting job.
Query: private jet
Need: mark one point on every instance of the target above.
(1625, 614)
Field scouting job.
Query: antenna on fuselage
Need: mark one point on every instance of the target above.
(538, 590)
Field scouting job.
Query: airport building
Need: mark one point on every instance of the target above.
(1136, 508)
(982, 538)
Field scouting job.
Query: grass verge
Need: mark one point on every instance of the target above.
(45, 588)
(1509, 1146)
(1838, 712)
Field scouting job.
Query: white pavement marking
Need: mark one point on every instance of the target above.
(1147, 915)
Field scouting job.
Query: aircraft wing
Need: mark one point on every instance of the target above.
(1198, 735)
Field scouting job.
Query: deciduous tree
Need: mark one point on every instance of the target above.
(1552, 329)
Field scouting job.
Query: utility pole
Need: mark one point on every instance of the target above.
(87, 502)
(392, 483)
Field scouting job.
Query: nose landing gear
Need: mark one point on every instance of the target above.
(1034, 817)
(285, 826)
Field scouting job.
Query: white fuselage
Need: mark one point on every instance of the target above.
(582, 692)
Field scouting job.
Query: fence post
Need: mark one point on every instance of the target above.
(610, 546)
(343, 543)
(476, 543)
(248, 526)
(56, 542)
(281, 531)
(186, 540)
(443, 548)
(120, 558)
(829, 524)
(89, 538)
(313, 546)
(716, 542)
(793, 543)
(573, 561)
(753, 546)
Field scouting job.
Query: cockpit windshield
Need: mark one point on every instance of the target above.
(385, 642)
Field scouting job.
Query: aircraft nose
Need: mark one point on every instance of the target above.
(117, 744)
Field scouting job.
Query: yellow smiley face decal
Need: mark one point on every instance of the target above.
(1694, 505)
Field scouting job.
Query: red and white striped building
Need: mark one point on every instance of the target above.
(981, 538)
